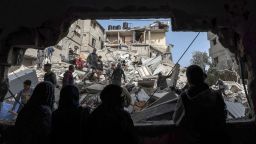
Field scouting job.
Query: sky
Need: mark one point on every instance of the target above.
(180, 40)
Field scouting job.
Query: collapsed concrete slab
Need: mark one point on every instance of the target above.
(17, 78)
(95, 88)
(163, 111)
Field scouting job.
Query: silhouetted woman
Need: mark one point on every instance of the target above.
(33, 123)
(67, 120)
(109, 122)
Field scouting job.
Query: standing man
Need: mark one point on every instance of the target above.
(161, 81)
(68, 78)
(23, 96)
(92, 60)
(50, 51)
(49, 75)
(117, 75)
(99, 67)
(40, 58)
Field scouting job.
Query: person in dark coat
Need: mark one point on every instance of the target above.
(49, 75)
(200, 111)
(109, 122)
(67, 120)
(33, 124)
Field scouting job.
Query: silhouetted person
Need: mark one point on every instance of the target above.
(200, 111)
(33, 124)
(67, 119)
(109, 122)
(68, 78)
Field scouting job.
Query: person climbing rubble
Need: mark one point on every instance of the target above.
(117, 75)
(68, 78)
(161, 81)
(23, 96)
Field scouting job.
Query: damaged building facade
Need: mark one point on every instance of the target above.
(145, 41)
(221, 56)
(83, 36)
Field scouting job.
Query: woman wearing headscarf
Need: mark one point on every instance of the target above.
(33, 123)
(68, 119)
(109, 122)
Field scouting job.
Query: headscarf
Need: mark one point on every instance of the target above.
(111, 95)
(69, 97)
(43, 94)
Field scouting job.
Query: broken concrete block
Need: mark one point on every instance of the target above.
(95, 88)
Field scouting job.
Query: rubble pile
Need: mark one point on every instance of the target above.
(141, 73)
(235, 99)
(140, 91)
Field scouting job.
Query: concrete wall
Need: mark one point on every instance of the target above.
(220, 55)
(157, 38)
(141, 50)
(112, 38)
(90, 32)
(80, 36)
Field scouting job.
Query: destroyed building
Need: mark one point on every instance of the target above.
(30, 24)
(83, 36)
(221, 57)
(146, 41)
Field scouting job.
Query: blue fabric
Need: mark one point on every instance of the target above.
(5, 115)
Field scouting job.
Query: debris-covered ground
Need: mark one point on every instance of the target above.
(140, 88)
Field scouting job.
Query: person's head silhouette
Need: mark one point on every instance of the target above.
(195, 75)
(111, 96)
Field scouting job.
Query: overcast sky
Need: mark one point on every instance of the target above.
(180, 40)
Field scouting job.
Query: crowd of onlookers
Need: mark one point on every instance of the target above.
(39, 123)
